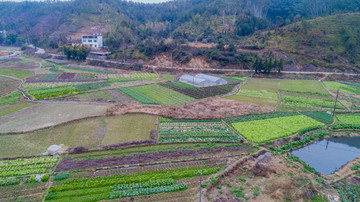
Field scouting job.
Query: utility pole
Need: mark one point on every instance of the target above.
(171, 60)
(337, 95)
(200, 186)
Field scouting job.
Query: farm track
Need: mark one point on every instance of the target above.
(215, 69)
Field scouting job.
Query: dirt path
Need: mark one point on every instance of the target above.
(334, 95)
(213, 108)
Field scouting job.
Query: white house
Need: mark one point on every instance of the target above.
(94, 41)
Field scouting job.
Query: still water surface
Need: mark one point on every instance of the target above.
(328, 155)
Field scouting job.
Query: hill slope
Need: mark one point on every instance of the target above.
(328, 42)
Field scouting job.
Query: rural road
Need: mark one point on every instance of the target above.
(225, 70)
(38, 50)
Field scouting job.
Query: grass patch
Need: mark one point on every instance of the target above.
(8, 85)
(14, 108)
(128, 128)
(9, 99)
(255, 100)
(20, 74)
(80, 133)
(302, 86)
(268, 85)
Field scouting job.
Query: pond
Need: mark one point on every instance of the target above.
(329, 155)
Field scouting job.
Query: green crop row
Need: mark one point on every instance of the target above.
(147, 184)
(195, 131)
(51, 76)
(273, 128)
(308, 102)
(181, 84)
(92, 86)
(345, 126)
(26, 161)
(167, 120)
(163, 95)
(10, 98)
(137, 96)
(147, 191)
(62, 176)
(89, 70)
(259, 117)
(115, 188)
(260, 94)
(321, 116)
(53, 92)
(343, 88)
(13, 173)
(348, 118)
(145, 75)
(85, 183)
(9, 181)
(200, 139)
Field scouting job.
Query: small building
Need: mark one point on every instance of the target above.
(99, 55)
(202, 80)
(76, 42)
(3, 34)
(94, 41)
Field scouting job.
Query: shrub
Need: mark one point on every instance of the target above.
(79, 149)
(45, 178)
(62, 176)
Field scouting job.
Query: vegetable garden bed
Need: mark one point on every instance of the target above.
(273, 128)
(170, 132)
(163, 95)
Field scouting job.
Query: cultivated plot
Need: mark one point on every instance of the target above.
(273, 128)
(347, 88)
(163, 95)
(8, 85)
(128, 128)
(195, 131)
(47, 115)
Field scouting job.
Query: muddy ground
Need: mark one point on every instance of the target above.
(267, 178)
(215, 108)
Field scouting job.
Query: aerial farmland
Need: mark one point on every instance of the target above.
(146, 136)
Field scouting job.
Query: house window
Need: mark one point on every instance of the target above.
(84, 41)
(90, 41)
(95, 41)
(95, 46)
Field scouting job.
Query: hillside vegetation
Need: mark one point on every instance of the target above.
(331, 42)
(142, 32)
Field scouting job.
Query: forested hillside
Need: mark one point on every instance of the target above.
(330, 42)
(143, 31)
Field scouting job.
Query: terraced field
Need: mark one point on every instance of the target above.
(272, 128)
(163, 95)
(8, 85)
(193, 131)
